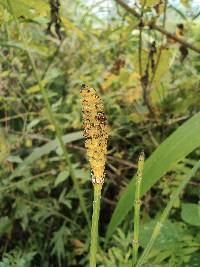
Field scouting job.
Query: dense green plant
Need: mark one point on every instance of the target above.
(41, 219)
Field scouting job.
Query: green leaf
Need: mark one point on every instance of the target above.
(178, 145)
(62, 176)
(149, 2)
(26, 9)
(190, 213)
(5, 225)
(18, 7)
(168, 238)
(44, 150)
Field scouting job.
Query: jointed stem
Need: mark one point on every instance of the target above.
(137, 208)
(165, 214)
(95, 223)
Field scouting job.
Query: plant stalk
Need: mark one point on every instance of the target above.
(165, 214)
(95, 223)
(53, 120)
(60, 140)
(137, 204)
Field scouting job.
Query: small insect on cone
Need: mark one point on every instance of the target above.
(95, 126)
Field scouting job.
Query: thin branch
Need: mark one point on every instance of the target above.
(159, 28)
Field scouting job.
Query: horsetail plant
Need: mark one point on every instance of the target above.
(95, 127)
(137, 204)
(165, 214)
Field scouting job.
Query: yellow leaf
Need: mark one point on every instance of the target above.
(4, 148)
(186, 3)
(71, 26)
(132, 94)
(34, 89)
(157, 90)
(41, 7)
(149, 2)
(163, 66)
(133, 90)
(138, 118)
(110, 78)
(51, 127)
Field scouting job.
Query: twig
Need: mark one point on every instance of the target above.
(159, 28)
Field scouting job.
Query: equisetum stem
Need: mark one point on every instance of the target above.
(165, 214)
(95, 223)
(137, 204)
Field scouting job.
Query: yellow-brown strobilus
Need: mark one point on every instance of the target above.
(95, 132)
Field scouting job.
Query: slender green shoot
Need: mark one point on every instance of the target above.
(137, 204)
(95, 224)
(165, 214)
(53, 121)
(59, 136)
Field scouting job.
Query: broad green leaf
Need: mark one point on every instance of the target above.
(190, 213)
(44, 150)
(177, 146)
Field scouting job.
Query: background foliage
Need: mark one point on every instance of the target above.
(97, 42)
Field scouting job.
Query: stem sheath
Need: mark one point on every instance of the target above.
(137, 208)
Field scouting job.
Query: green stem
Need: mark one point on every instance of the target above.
(95, 223)
(53, 121)
(137, 209)
(59, 136)
(165, 214)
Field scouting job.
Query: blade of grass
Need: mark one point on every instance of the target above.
(137, 208)
(165, 214)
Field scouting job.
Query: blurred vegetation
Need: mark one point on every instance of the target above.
(150, 86)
